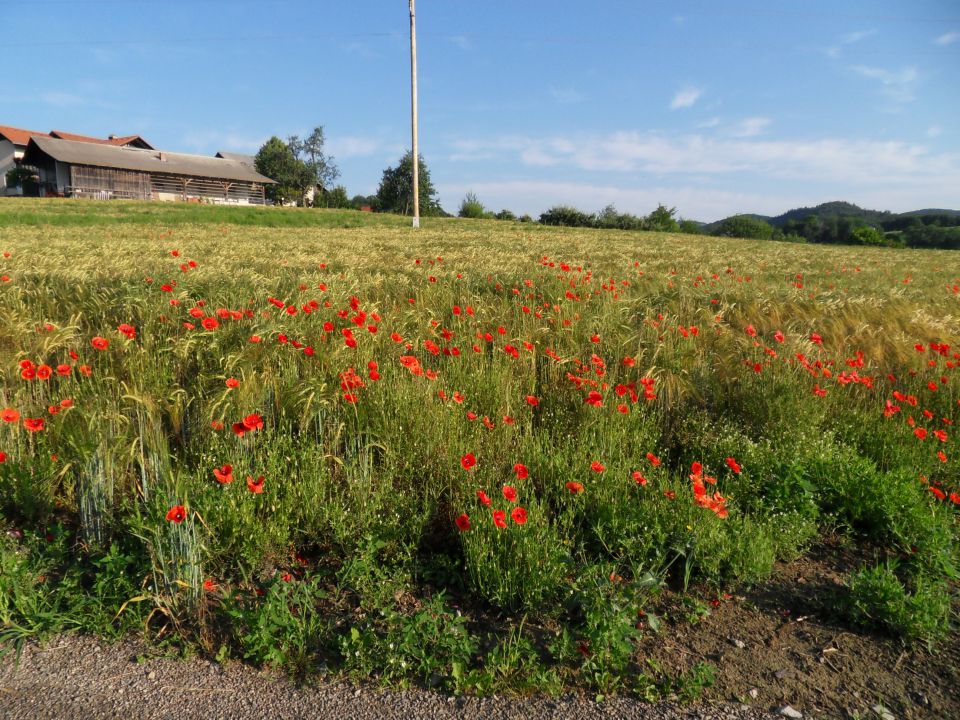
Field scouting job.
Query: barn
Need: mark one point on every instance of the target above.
(72, 168)
(14, 141)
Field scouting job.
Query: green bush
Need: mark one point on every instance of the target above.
(433, 645)
(471, 207)
(876, 598)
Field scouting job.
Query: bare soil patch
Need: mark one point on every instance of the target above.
(782, 644)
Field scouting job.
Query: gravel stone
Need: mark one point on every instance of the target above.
(70, 678)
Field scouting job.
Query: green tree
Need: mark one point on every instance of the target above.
(471, 207)
(310, 151)
(867, 236)
(567, 216)
(745, 226)
(395, 194)
(277, 161)
(662, 220)
(690, 227)
(505, 215)
(336, 198)
(359, 201)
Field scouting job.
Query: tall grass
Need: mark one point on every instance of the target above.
(623, 371)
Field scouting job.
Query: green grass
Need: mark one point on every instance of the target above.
(18, 212)
(351, 557)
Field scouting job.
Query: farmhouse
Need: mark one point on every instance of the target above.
(14, 141)
(73, 168)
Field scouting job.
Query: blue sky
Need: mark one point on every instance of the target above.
(712, 107)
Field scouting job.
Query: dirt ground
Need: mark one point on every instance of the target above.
(779, 644)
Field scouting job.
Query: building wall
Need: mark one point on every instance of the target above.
(63, 176)
(7, 163)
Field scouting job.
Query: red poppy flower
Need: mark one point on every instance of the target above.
(255, 486)
(751, 331)
(654, 460)
(63, 370)
(574, 487)
(209, 585)
(532, 400)
(9, 415)
(816, 339)
(639, 478)
(597, 467)
(510, 493)
(519, 515)
(177, 514)
(921, 433)
(594, 398)
(33, 424)
(483, 497)
(463, 522)
(44, 372)
(224, 475)
(778, 336)
(128, 330)
(733, 465)
(521, 471)
(468, 461)
(99, 343)
(500, 519)
(253, 422)
(232, 383)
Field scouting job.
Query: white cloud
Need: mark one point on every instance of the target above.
(948, 38)
(750, 127)
(691, 200)
(685, 98)
(566, 96)
(535, 196)
(934, 131)
(212, 141)
(62, 99)
(460, 41)
(361, 49)
(855, 37)
(849, 39)
(896, 85)
(835, 160)
(709, 122)
(347, 146)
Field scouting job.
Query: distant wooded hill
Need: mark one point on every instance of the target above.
(832, 222)
(846, 223)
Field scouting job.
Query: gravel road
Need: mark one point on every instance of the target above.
(80, 677)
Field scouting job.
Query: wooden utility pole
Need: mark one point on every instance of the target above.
(413, 114)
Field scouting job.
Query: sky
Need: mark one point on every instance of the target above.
(714, 108)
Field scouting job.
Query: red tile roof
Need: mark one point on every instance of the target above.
(18, 136)
(122, 140)
(79, 138)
